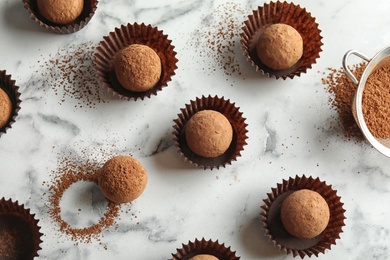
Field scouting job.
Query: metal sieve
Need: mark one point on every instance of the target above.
(382, 145)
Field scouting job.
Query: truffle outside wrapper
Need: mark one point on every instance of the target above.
(8, 85)
(204, 247)
(231, 112)
(89, 10)
(16, 217)
(286, 13)
(298, 246)
(123, 37)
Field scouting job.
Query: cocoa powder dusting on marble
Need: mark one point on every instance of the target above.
(69, 74)
(376, 101)
(342, 91)
(219, 38)
(73, 169)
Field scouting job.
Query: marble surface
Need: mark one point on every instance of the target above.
(290, 124)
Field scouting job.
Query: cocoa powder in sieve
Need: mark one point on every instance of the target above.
(73, 169)
(376, 100)
(342, 91)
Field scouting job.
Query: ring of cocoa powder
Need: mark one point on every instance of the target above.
(286, 13)
(86, 15)
(123, 37)
(204, 247)
(61, 183)
(230, 112)
(8, 85)
(275, 230)
(20, 235)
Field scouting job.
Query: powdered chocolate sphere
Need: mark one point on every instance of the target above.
(122, 179)
(60, 11)
(137, 67)
(208, 133)
(305, 214)
(204, 257)
(5, 108)
(280, 46)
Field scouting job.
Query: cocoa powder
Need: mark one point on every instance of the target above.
(219, 38)
(342, 91)
(69, 74)
(72, 169)
(376, 101)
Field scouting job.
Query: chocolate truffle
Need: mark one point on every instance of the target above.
(122, 179)
(60, 11)
(137, 67)
(208, 133)
(5, 108)
(280, 46)
(305, 213)
(204, 257)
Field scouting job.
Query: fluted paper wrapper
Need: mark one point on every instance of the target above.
(89, 10)
(285, 13)
(123, 37)
(20, 234)
(231, 112)
(204, 247)
(275, 230)
(8, 85)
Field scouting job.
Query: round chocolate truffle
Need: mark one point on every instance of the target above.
(60, 11)
(137, 67)
(5, 108)
(208, 133)
(122, 179)
(280, 46)
(305, 213)
(204, 257)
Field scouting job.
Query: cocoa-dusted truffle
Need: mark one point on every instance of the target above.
(305, 213)
(122, 179)
(60, 11)
(137, 67)
(280, 46)
(203, 257)
(5, 108)
(208, 133)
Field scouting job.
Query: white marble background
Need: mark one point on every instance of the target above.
(290, 132)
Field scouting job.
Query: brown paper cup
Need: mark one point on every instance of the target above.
(235, 118)
(84, 18)
(123, 37)
(8, 85)
(275, 230)
(207, 247)
(286, 13)
(19, 232)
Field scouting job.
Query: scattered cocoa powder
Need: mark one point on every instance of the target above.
(376, 100)
(69, 73)
(72, 169)
(219, 37)
(342, 91)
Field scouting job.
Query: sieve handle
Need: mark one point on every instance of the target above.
(345, 64)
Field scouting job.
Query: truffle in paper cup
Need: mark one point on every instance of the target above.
(234, 116)
(285, 13)
(86, 15)
(207, 247)
(275, 230)
(20, 237)
(123, 37)
(9, 87)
